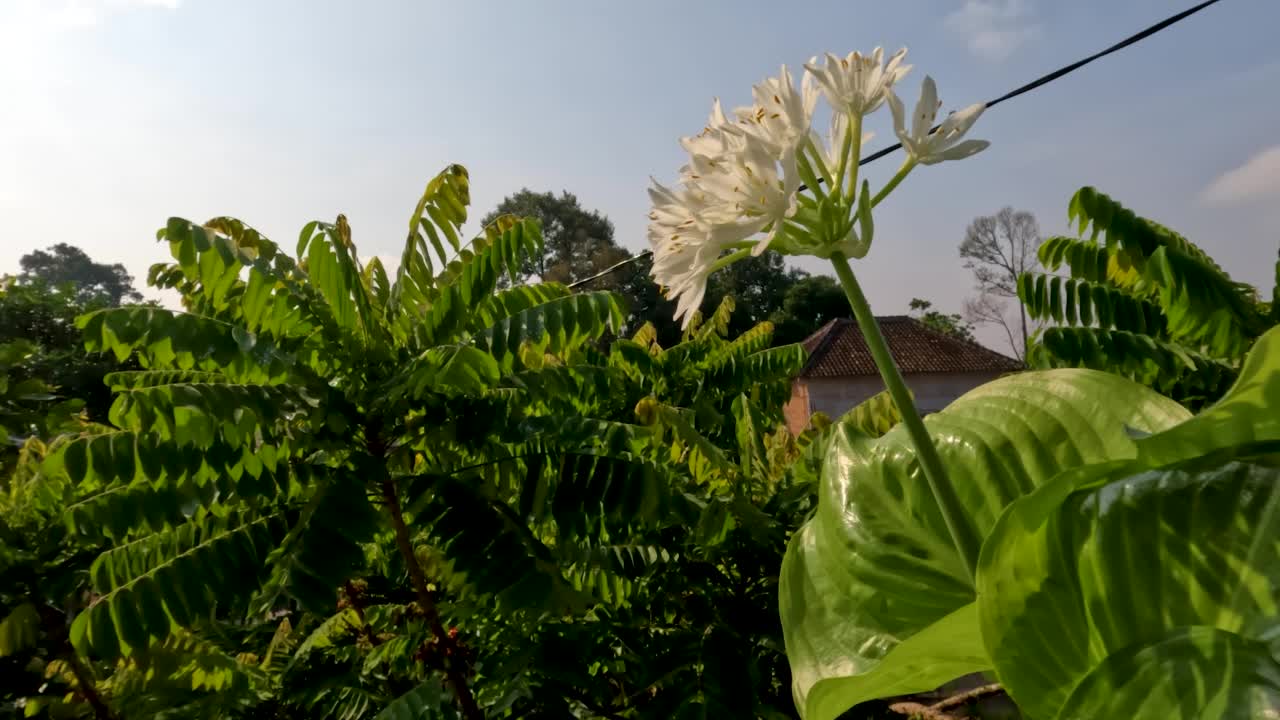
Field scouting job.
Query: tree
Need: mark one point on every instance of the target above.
(998, 249)
(93, 283)
(43, 317)
(953, 324)
(577, 242)
(578, 246)
(346, 420)
(808, 304)
(1145, 302)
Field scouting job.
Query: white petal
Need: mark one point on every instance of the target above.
(899, 112)
(926, 109)
(961, 120)
(957, 152)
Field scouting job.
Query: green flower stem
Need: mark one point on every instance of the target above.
(902, 174)
(731, 258)
(817, 163)
(807, 174)
(966, 544)
(855, 157)
(846, 147)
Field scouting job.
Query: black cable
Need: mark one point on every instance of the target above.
(1038, 82)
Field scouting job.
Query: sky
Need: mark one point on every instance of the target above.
(117, 114)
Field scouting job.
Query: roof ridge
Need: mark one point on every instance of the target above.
(827, 332)
(839, 350)
(967, 341)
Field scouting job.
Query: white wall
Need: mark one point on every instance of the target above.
(933, 391)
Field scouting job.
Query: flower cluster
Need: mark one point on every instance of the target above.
(740, 191)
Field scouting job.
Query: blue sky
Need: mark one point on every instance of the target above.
(117, 114)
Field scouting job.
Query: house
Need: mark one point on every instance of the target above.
(840, 372)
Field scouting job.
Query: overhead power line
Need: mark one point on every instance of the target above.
(1034, 84)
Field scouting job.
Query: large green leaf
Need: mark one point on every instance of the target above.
(876, 567)
(1124, 558)
(1117, 555)
(1246, 415)
(1193, 674)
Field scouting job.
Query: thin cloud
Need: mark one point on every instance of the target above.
(994, 29)
(1257, 178)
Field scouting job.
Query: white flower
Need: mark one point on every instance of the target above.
(746, 191)
(719, 135)
(781, 115)
(684, 249)
(858, 84)
(928, 148)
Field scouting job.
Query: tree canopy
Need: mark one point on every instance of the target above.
(952, 324)
(93, 282)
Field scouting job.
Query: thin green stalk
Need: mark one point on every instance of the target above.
(818, 163)
(962, 536)
(845, 148)
(731, 258)
(807, 174)
(855, 157)
(901, 175)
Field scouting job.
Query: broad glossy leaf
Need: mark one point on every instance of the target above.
(876, 566)
(1116, 555)
(1249, 414)
(1194, 673)
(1104, 560)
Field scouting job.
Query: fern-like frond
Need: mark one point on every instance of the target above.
(174, 578)
(334, 270)
(132, 481)
(514, 300)
(323, 548)
(201, 413)
(752, 341)
(1077, 302)
(1140, 357)
(166, 339)
(491, 547)
(553, 327)
(446, 370)
(440, 213)
(779, 363)
(586, 387)
(135, 379)
(1202, 304)
(465, 289)
(275, 299)
(1085, 259)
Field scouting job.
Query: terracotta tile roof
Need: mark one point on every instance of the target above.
(838, 350)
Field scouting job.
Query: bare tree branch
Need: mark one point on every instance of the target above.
(987, 309)
(999, 248)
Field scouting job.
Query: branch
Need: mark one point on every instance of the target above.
(86, 688)
(457, 681)
(938, 711)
